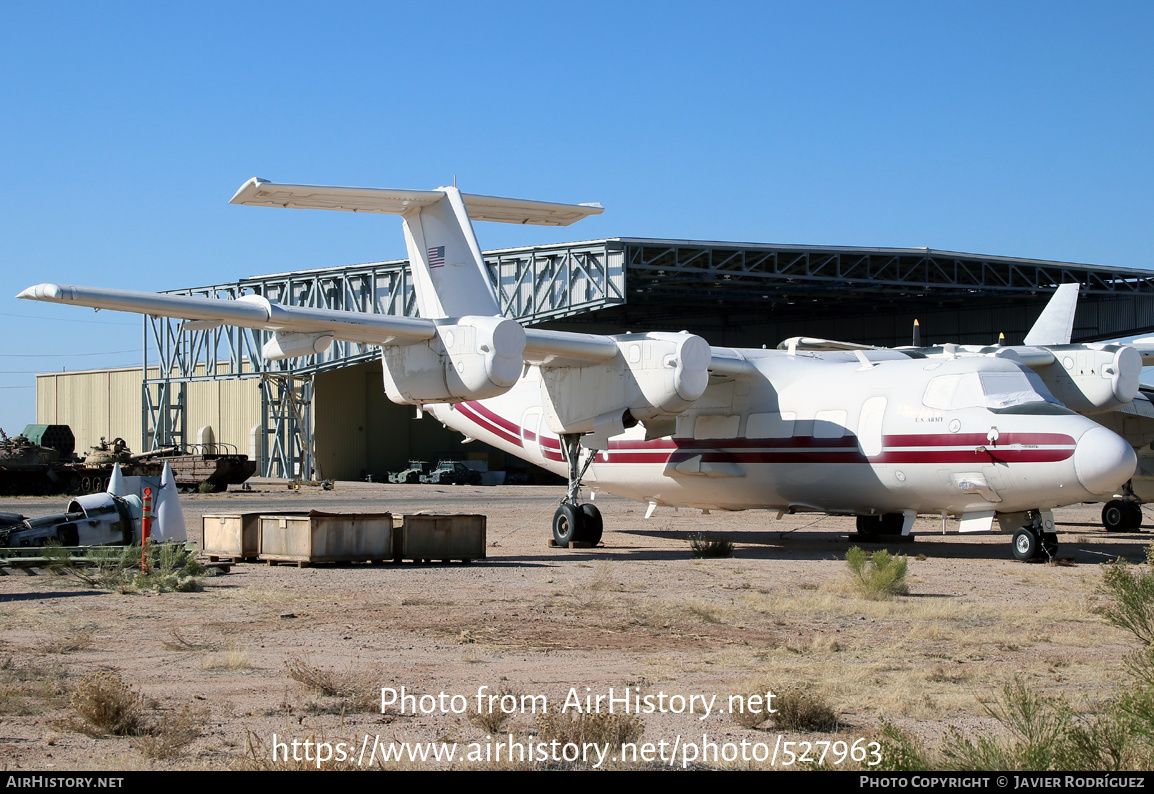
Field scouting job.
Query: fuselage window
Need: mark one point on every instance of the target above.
(829, 424)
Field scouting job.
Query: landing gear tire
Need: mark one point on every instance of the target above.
(1134, 511)
(1026, 544)
(872, 526)
(1115, 516)
(1049, 545)
(567, 525)
(591, 524)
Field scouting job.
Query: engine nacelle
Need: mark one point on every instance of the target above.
(654, 374)
(290, 345)
(1094, 379)
(470, 358)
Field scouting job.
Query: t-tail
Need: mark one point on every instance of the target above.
(449, 274)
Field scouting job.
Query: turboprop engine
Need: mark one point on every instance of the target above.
(469, 358)
(653, 375)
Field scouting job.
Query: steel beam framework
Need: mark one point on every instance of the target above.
(677, 267)
(533, 285)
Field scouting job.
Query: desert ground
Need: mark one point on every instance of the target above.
(303, 653)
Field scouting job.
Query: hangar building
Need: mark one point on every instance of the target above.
(326, 415)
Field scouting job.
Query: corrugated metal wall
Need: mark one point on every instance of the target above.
(95, 404)
(108, 403)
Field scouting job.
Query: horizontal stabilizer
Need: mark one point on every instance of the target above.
(262, 193)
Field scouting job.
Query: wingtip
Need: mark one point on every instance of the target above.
(253, 184)
(43, 292)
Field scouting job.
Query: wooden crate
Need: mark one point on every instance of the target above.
(425, 536)
(326, 537)
(234, 536)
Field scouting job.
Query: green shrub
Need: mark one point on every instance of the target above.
(877, 576)
(901, 751)
(1130, 591)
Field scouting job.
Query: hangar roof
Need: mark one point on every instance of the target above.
(737, 294)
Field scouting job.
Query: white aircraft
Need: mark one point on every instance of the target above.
(1096, 379)
(666, 419)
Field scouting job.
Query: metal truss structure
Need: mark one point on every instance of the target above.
(669, 278)
(533, 285)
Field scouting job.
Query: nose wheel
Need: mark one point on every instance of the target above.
(1033, 542)
(575, 522)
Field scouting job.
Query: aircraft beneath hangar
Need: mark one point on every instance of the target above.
(667, 419)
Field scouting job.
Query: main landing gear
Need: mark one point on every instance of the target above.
(573, 521)
(1120, 515)
(871, 527)
(1036, 539)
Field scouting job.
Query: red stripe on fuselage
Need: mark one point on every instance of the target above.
(941, 448)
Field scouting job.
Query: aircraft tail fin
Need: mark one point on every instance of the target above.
(1055, 324)
(449, 274)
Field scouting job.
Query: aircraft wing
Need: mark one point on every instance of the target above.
(1145, 347)
(250, 311)
(548, 348)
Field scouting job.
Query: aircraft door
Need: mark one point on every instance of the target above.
(530, 433)
(869, 426)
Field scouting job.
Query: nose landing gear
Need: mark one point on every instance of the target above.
(575, 522)
(1036, 539)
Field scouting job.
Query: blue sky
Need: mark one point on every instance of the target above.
(1020, 129)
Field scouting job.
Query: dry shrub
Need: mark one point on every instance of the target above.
(598, 728)
(108, 706)
(702, 547)
(324, 680)
(352, 687)
(492, 721)
(804, 708)
(169, 737)
(798, 708)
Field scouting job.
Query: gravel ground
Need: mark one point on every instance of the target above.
(639, 612)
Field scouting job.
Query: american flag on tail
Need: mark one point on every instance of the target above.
(437, 256)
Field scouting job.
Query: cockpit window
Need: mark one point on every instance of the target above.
(992, 390)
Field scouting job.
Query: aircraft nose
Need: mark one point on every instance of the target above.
(1103, 460)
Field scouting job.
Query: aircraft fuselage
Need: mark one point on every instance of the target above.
(834, 433)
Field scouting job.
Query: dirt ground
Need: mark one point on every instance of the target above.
(640, 612)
